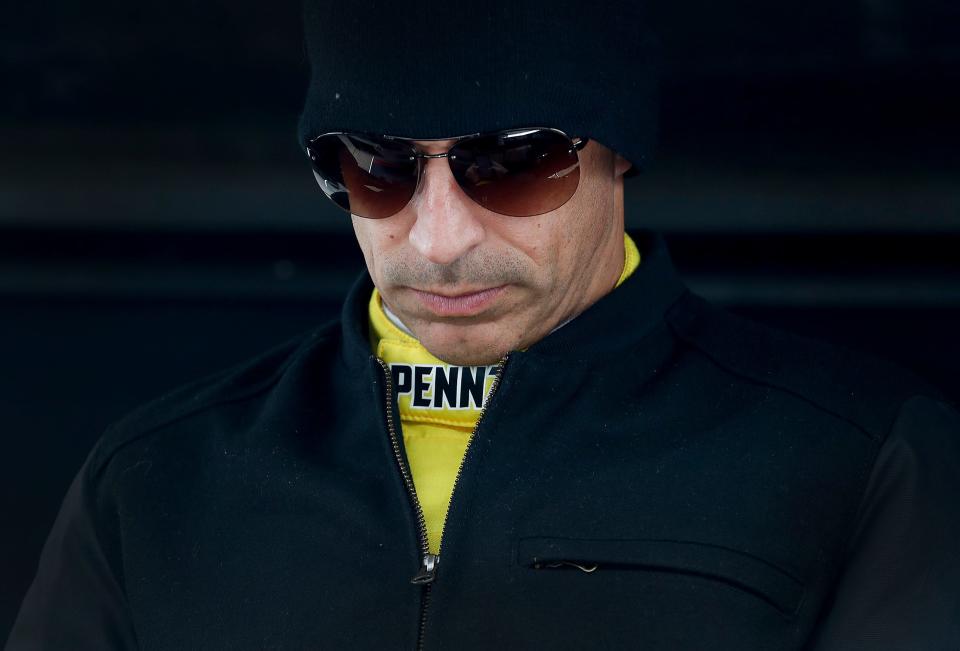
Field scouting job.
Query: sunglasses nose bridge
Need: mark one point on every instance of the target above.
(423, 165)
(445, 221)
(427, 182)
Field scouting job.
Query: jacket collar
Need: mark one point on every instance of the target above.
(620, 319)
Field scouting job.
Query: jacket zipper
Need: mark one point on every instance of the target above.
(428, 562)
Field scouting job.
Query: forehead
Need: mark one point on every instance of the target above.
(435, 144)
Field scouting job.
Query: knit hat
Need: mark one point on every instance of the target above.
(440, 69)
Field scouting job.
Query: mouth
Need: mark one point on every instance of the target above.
(464, 304)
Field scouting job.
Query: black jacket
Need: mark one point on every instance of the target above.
(657, 474)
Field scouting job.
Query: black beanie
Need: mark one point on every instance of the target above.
(441, 68)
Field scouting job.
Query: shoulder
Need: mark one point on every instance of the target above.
(864, 390)
(927, 429)
(245, 381)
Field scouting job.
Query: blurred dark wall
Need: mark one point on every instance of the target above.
(157, 221)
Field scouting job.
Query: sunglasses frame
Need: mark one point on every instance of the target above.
(576, 144)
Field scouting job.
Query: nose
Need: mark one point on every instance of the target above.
(446, 224)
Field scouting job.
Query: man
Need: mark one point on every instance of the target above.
(523, 431)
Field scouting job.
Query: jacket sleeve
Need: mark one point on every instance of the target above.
(900, 587)
(76, 600)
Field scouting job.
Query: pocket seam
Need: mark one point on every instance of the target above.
(771, 583)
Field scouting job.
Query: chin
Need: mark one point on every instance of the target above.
(463, 357)
(458, 354)
(463, 344)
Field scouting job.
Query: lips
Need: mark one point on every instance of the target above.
(467, 304)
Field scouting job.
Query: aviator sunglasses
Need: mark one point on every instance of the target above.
(516, 172)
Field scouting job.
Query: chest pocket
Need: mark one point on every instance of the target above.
(594, 556)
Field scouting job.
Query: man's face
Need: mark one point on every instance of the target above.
(473, 285)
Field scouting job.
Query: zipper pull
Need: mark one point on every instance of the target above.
(428, 570)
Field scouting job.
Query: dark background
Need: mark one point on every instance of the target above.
(158, 222)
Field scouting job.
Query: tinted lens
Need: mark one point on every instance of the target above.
(520, 173)
(364, 175)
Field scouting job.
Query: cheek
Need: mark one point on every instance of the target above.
(362, 235)
(379, 240)
(540, 242)
(370, 241)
